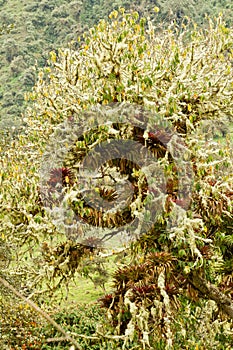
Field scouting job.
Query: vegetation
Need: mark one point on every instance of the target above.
(168, 92)
(42, 26)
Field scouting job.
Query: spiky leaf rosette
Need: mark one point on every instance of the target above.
(61, 177)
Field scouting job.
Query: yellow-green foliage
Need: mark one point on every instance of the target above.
(186, 78)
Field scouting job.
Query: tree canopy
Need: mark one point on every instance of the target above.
(164, 89)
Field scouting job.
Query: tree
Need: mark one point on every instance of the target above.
(41, 27)
(180, 85)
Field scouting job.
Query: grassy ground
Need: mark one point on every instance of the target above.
(83, 291)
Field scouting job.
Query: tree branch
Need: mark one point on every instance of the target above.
(211, 292)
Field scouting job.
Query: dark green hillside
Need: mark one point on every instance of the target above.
(39, 26)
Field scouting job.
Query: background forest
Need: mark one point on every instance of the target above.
(76, 75)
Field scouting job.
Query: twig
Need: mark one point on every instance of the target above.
(51, 340)
(91, 337)
(113, 337)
